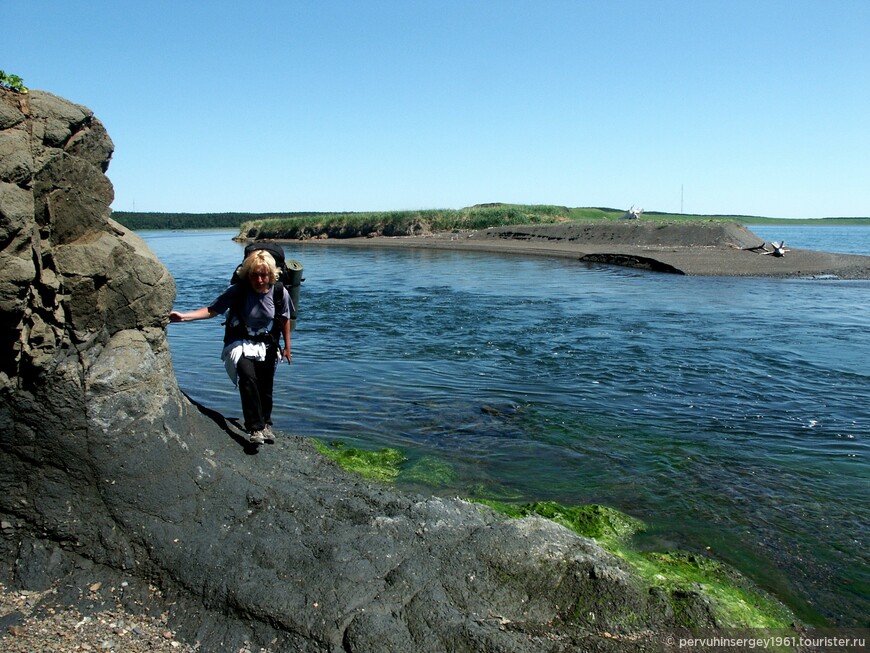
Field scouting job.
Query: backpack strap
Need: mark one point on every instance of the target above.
(278, 300)
(235, 322)
(234, 325)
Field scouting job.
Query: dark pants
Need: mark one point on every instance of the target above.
(256, 379)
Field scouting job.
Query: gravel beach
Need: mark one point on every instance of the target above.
(35, 622)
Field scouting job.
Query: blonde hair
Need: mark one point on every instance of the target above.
(259, 259)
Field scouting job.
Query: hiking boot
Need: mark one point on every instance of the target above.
(268, 433)
(258, 437)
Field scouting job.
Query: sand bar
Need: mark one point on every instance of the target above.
(699, 249)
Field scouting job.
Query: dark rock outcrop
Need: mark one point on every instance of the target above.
(107, 471)
(639, 234)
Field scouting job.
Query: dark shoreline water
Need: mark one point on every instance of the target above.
(730, 414)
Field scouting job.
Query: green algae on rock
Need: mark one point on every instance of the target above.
(429, 471)
(606, 525)
(739, 604)
(733, 600)
(680, 576)
(386, 465)
(382, 465)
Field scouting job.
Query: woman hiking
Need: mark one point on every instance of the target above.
(251, 353)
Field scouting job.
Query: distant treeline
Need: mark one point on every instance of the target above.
(474, 217)
(135, 221)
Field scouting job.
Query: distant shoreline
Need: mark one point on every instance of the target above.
(695, 249)
(234, 220)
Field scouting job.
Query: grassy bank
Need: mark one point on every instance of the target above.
(414, 223)
(402, 223)
(294, 225)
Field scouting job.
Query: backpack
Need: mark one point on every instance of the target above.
(289, 276)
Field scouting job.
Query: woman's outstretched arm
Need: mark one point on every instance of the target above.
(199, 314)
(286, 355)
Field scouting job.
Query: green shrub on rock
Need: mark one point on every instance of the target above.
(12, 82)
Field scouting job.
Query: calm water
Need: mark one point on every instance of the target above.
(842, 239)
(731, 415)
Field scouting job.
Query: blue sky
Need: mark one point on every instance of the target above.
(757, 107)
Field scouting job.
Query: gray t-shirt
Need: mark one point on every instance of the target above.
(259, 308)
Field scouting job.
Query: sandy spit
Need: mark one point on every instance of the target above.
(707, 249)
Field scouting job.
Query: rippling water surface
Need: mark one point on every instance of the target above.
(731, 415)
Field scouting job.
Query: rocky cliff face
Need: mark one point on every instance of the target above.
(107, 471)
(85, 362)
